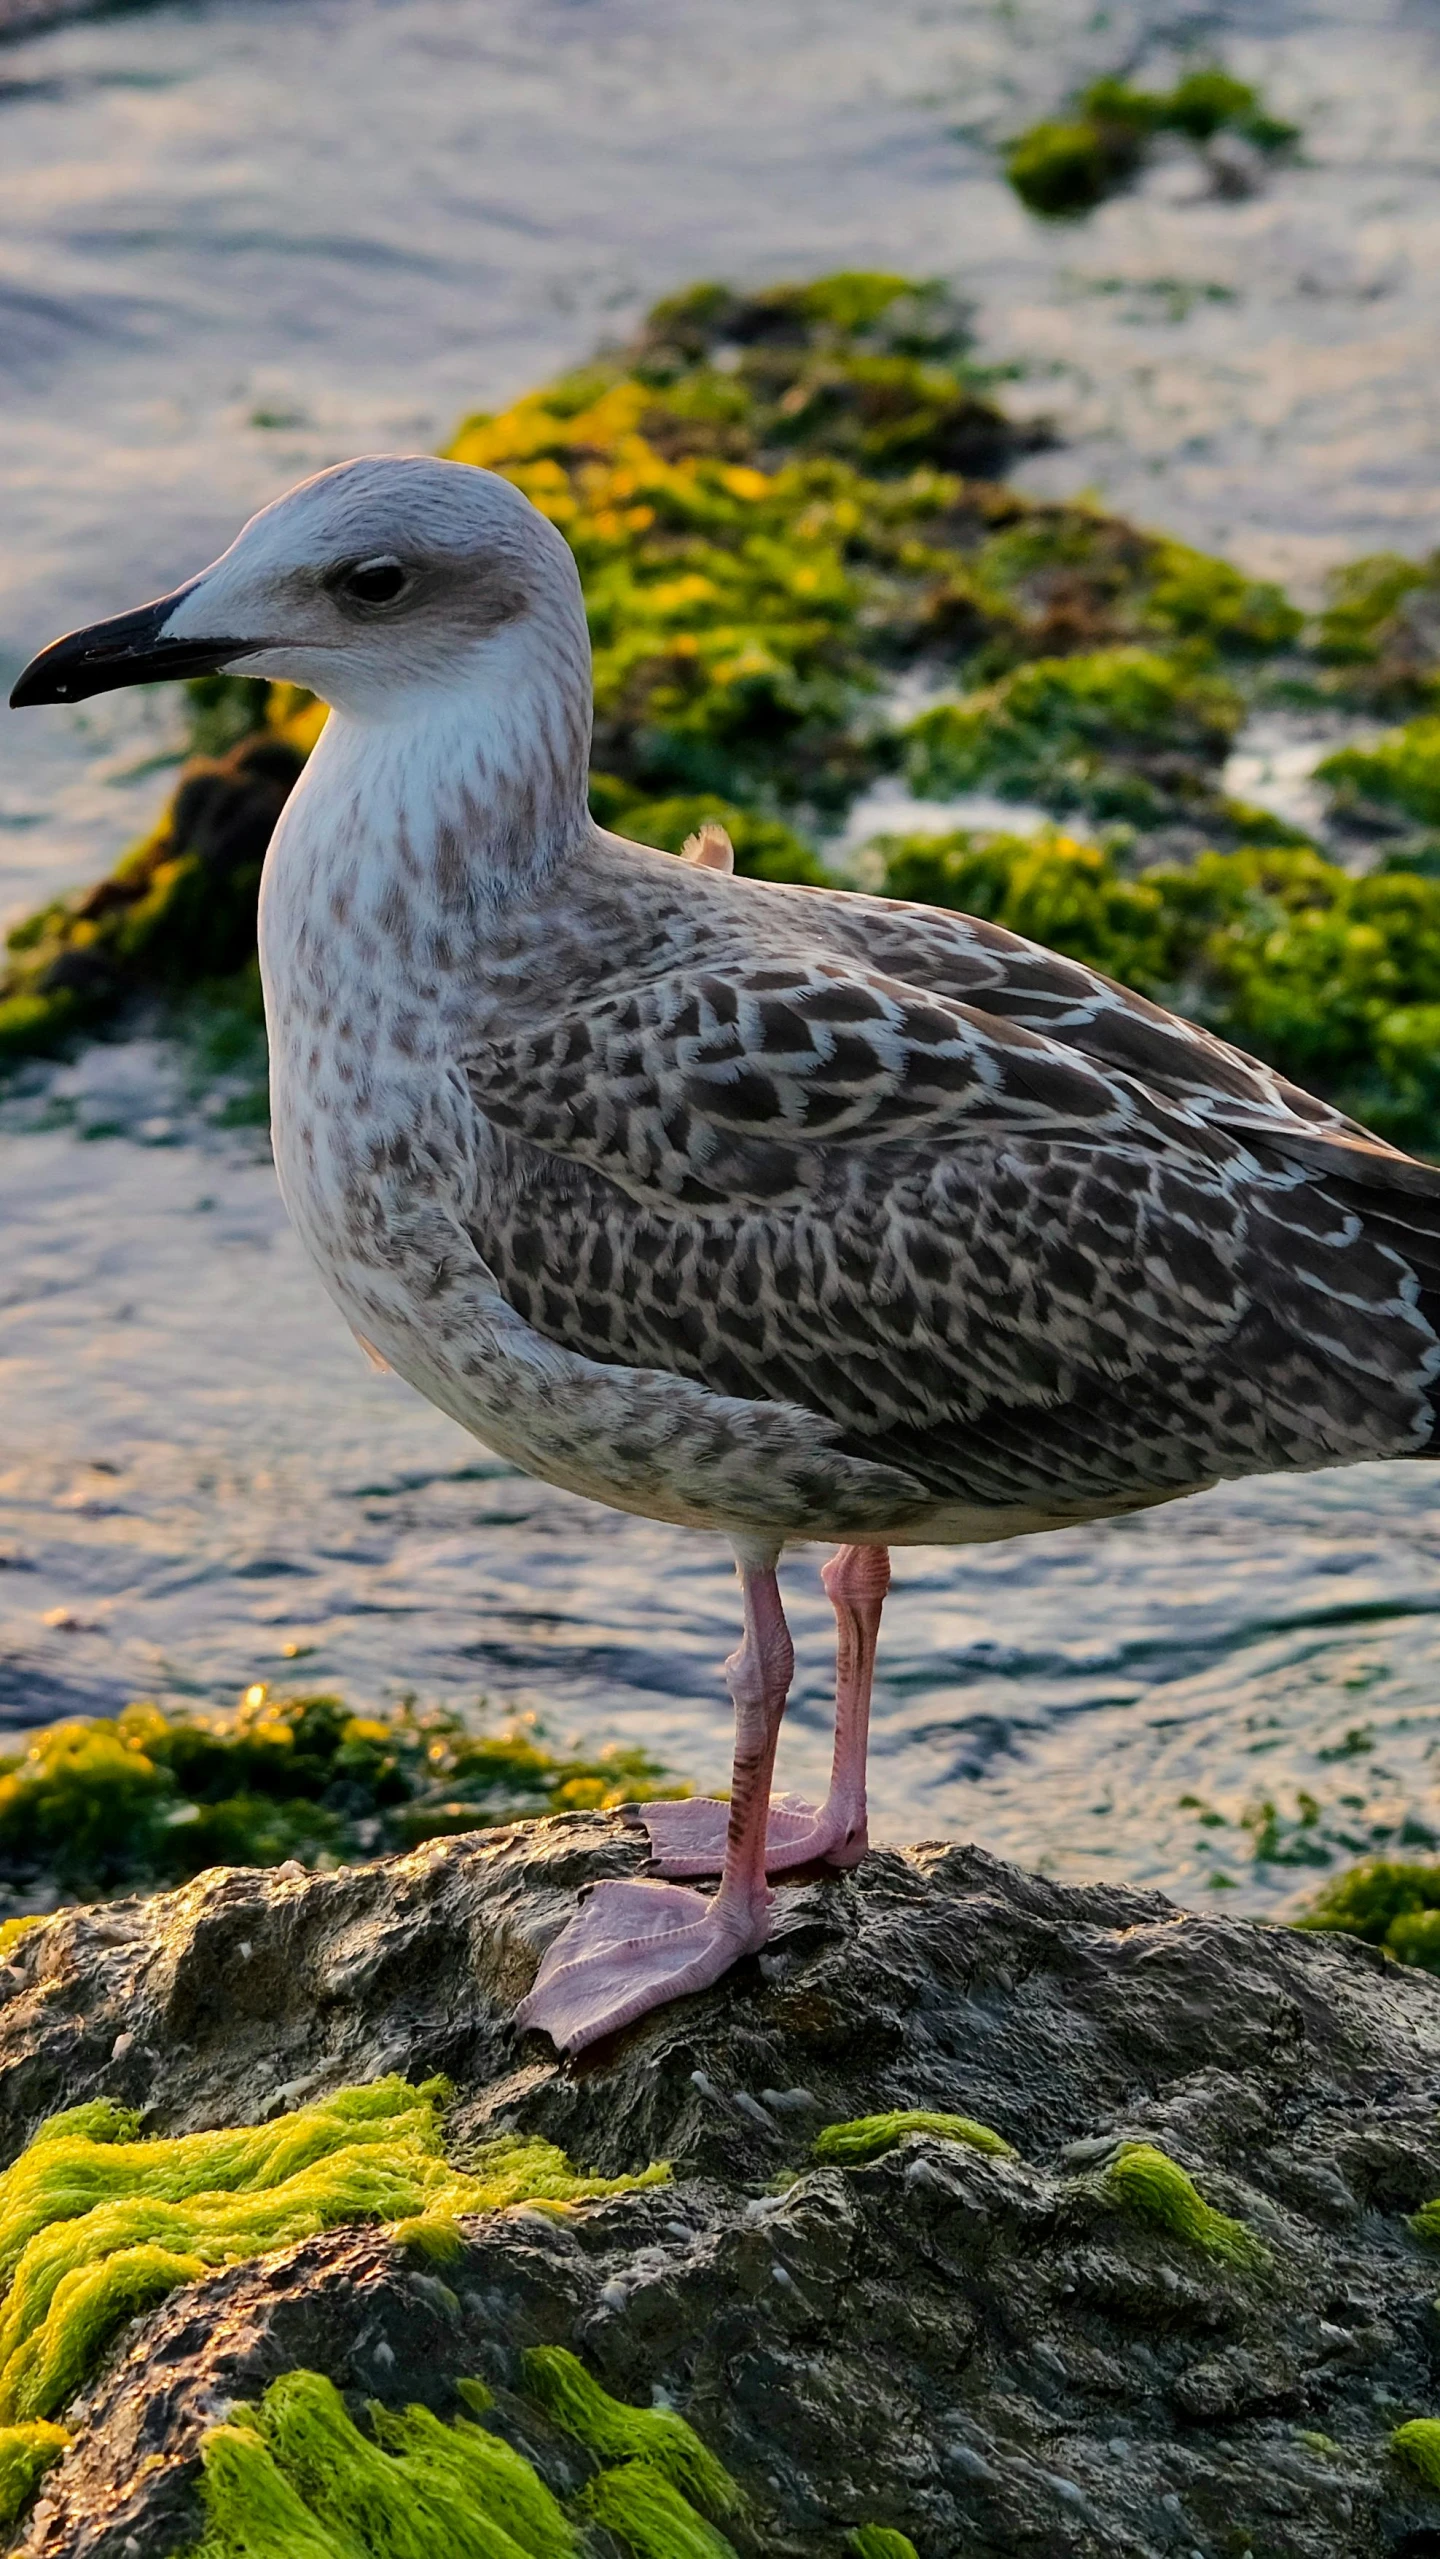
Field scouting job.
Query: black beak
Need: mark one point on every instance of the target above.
(131, 649)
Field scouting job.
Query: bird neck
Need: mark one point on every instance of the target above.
(476, 796)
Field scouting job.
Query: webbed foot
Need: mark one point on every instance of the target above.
(688, 1838)
(632, 1947)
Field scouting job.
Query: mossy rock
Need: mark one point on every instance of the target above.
(101, 1804)
(1120, 733)
(1064, 167)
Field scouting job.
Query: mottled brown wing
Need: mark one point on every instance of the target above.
(1022, 1278)
(736, 1083)
(1004, 978)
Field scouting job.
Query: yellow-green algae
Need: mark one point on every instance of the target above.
(1390, 1902)
(1418, 2445)
(869, 2136)
(105, 1803)
(96, 2225)
(640, 2504)
(26, 2453)
(881, 2541)
(654, 2437)
(295, 2478)
(1157, 2189)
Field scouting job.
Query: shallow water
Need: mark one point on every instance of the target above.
(239, 241)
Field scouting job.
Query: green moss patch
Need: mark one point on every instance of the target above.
(878, 2541)
(101, 1804)
(1401, 771)
(1144, 2181)
(642, 2507)
(1388, 1902)
(1064, 167)
(96, 2225)
(295, 2478)
(1121, 733)
(870, 2136)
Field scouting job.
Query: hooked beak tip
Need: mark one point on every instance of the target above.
(131, 648)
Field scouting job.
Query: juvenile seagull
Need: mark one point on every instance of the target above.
(770, 1211)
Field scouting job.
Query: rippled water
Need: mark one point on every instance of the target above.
(242, 240)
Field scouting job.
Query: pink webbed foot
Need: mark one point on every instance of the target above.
(632, 1947)
(689, 1838)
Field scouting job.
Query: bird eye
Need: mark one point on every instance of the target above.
(372, 582)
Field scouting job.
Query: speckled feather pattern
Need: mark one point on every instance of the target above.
(789, 1212)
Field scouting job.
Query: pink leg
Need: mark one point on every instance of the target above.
(689, 1838)
(634, 1946)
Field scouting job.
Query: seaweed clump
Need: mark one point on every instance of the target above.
(1065, 166)
(870, 2136)
(1146, 2182)
(104, 1804)
(296, 2476)
(97, 2225)
(1389, 1903)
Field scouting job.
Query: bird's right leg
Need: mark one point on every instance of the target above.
(634, 1946)
(689, 1838)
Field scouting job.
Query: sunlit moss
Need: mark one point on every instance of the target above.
(648, 2513)
(296, 2475)
(96, 1803)
(870, 2136)
(1401, 771)
(96, 2225)
(296, 2479)
(1157, 2190)
(880, 2541)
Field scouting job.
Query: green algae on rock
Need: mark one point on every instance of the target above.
(102, 1804)
(1120, 733)
(1387, 1902)
(868, 2137)
(296, 2475)
(1418, 2445)
(1146, 2181)
(653, 2437)
(96, 2225)
(1065, 166)
(945, 2345)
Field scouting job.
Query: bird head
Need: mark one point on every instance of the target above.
(385, 585)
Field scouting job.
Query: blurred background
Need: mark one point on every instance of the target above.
(240, 241)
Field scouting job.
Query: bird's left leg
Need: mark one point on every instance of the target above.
(634, 1946)
(688, 1838)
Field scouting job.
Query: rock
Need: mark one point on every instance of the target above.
(992, 2354)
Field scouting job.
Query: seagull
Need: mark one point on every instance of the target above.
(782, 1213)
